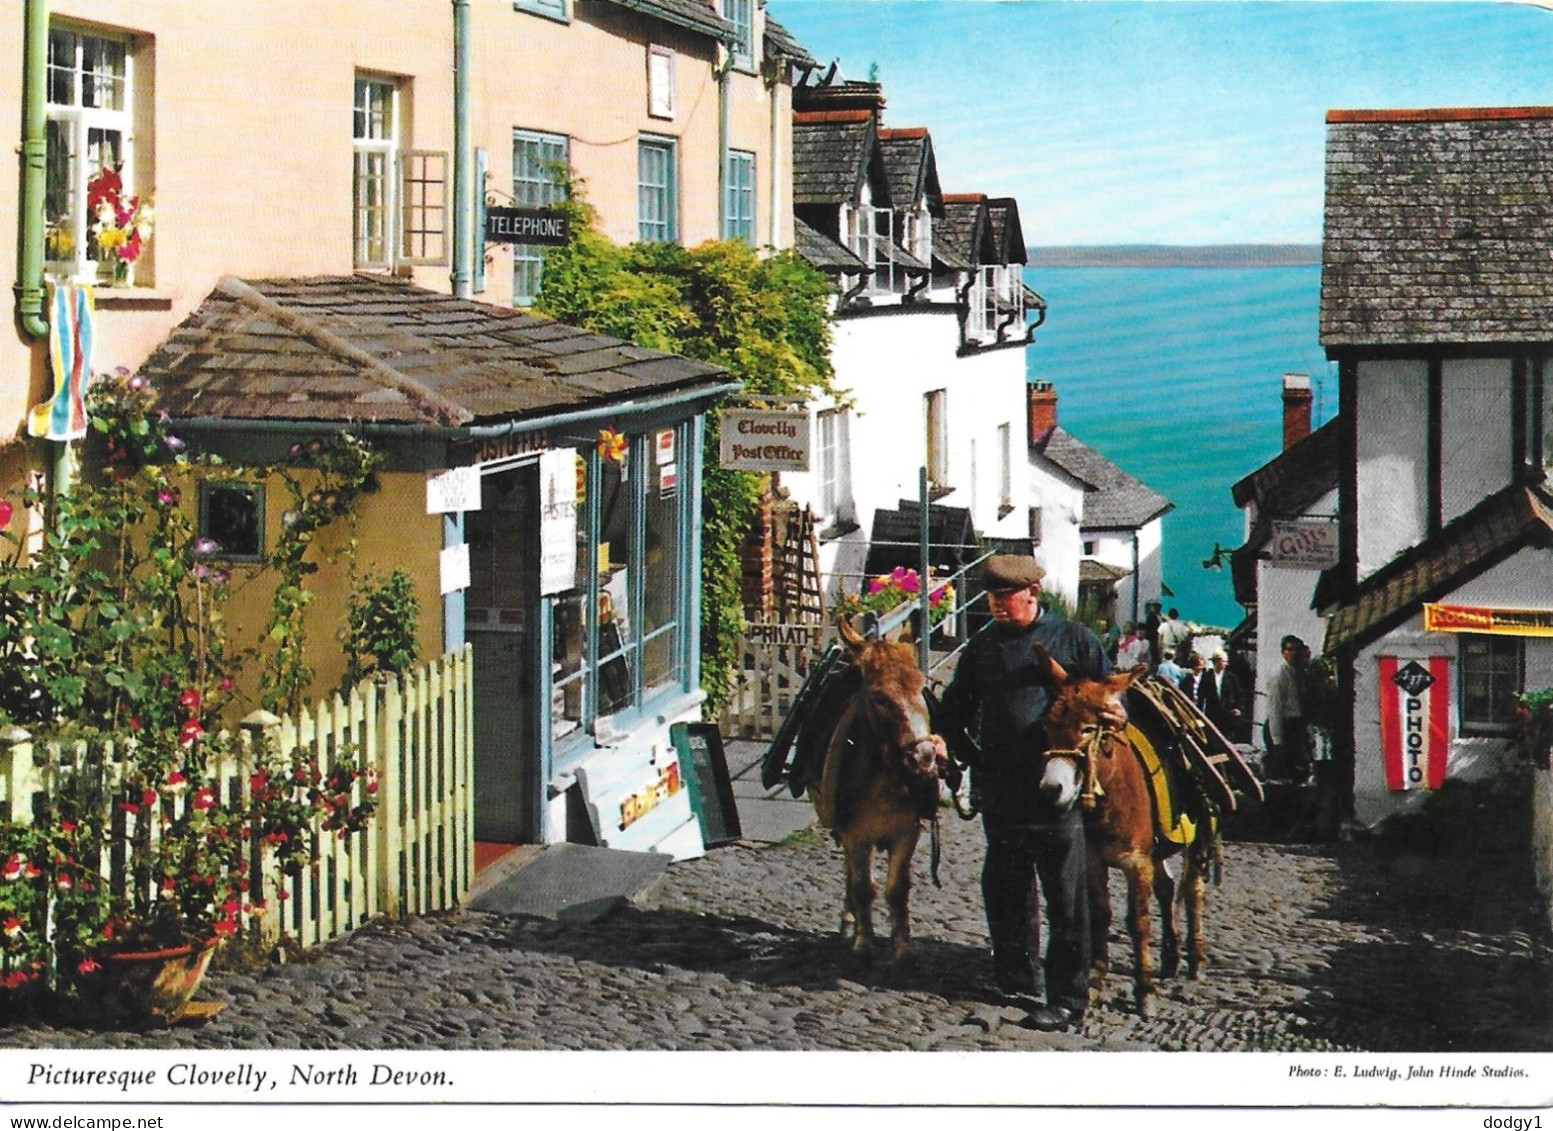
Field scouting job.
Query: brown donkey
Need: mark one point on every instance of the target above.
(1106, 772)
(879, 781)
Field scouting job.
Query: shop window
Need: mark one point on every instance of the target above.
(88, 129)
(541, 164)
(628, 608)
(1492, 671)
(657, 191)
(232, 516)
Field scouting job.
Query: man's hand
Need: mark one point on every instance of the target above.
(1113, 716)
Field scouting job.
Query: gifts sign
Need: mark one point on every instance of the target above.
(1414, 721)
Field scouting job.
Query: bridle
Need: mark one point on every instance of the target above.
(1086, 755)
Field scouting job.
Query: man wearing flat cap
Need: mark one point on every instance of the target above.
(990, 717)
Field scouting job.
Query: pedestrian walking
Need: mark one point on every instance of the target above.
(1288, 743)
(1132, 650)
(1196, 672)
(991, 719)
(1173, 635)
(1221, 696)
(1169, 669)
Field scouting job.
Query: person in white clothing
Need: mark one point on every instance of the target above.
(1288, 743)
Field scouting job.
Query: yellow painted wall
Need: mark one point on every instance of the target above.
(391, 531)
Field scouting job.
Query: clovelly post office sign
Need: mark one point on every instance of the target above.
(764, 440)
(544, 226)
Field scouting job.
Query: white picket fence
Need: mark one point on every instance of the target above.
(416, 854)
(774, 661)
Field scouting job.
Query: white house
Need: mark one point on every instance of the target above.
(932, 321)
(1291, 535)
(1098, 530)
(1437, 303)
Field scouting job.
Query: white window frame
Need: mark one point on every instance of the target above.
(405, 222)
(373, 212)
(76, 122)
(1468, 671)
(555, 9)
(739, 197)
(664, 228)
(660, 82)
(834, 429)
(534, 185)
(935, 423)
(741, 14)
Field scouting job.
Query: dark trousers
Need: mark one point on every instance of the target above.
(1018, 854)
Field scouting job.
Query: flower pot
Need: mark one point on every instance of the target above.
(153, 987)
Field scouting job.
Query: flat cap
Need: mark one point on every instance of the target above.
(1007, 572)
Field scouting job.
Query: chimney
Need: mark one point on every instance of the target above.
(1042, 399)
(1296, 408)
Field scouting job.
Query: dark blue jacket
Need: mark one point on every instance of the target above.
(991, 710)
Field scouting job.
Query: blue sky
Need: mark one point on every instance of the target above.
(1167, 121)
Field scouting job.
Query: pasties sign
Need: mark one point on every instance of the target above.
(1414, 721)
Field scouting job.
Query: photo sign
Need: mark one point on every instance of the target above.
(543, 226)
(764, 440)
(1414, 721)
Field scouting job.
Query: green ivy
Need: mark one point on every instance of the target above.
(381, 619)
(766, 319)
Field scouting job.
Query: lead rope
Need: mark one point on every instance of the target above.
(1092, 748)
(933, 853)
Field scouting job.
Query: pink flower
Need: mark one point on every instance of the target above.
(875, 585)
(88, 966)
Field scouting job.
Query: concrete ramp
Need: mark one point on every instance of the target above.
(573, 882)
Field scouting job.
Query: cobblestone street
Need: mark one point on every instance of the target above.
(1331, 947)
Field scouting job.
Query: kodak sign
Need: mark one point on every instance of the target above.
(1414, 721)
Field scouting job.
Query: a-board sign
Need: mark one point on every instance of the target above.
(700, 747)
(544, 226)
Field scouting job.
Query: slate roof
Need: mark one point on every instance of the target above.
(697, 15)
(831, 155)
(1284, 487)
(1090, 570)
(1439, 227)
(360, 348)
(1008, 237)
(780, 44)
(958, 236)
(910, 168)
(1503, 523)
(1113, 500)
(820, 251)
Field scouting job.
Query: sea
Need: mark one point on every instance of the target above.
(1170, 363)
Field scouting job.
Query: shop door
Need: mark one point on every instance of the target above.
(500, 608)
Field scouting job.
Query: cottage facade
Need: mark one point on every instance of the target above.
(1436, 292)
(309, 278)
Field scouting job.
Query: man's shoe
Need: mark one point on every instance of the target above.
(1051, 1018)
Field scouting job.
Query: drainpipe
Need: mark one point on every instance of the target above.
(1137, 581)
(462, 155)
(720, 71)
(29, 288)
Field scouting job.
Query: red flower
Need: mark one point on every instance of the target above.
(225, 926)
(203, 798)
(148, 797)
(13, 928)
(67, 826)
(189, 700)
(103, 188)
(63, 882)
(134, 724)
(190, 732)
(88, 966)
